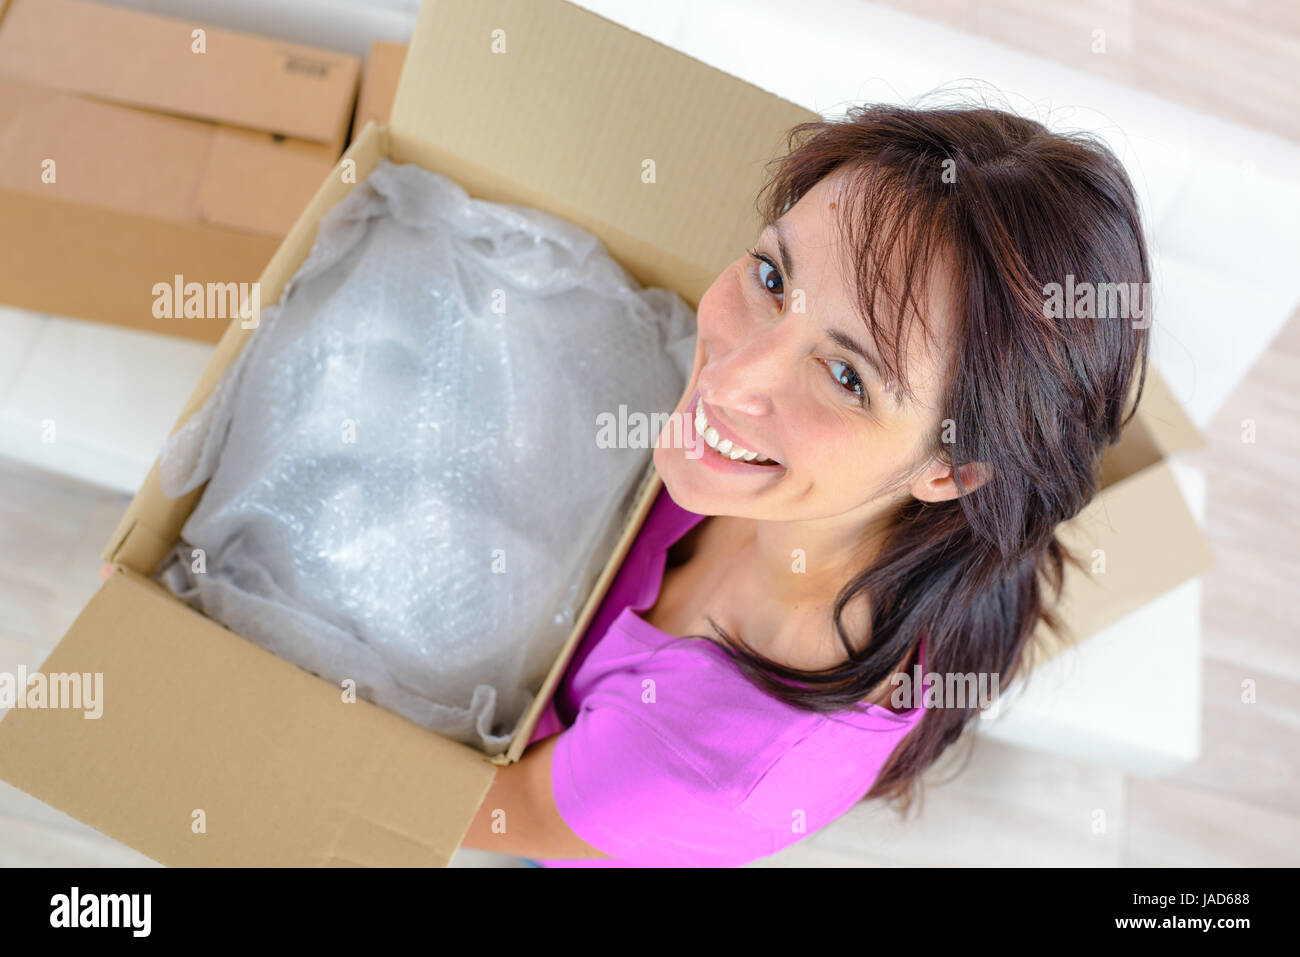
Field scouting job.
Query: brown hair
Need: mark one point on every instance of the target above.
(1036, 397)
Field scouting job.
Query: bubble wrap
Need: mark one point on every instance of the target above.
(404, 483)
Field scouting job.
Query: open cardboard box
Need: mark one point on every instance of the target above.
(167, 161)
(197, 718)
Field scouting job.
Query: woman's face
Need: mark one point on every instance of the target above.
(776, 373)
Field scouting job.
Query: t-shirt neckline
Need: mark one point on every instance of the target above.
(676, 526)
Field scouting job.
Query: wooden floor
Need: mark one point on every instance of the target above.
(1239, 805)
(1237, 59)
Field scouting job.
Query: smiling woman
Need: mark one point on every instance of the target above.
(886, 341)
(895, 426)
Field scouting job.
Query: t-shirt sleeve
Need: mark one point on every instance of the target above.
(625, 786)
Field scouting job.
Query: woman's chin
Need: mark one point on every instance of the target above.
(662, 457)
(669, 464)
(691, 486)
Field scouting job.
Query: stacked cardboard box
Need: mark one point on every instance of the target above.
(379, 81)
(136, 148)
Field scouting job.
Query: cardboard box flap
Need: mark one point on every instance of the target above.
(551, 106)
(211, 751)
(143, 60)
(1169, 426)
(1137, 540)
(1158, 429)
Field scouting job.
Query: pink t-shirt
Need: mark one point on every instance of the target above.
(669, 757)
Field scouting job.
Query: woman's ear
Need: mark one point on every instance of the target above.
(936, 482)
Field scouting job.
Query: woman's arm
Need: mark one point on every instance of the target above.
(532, 824)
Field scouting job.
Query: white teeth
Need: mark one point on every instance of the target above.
(724, 446)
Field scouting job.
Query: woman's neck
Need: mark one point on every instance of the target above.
(806, 563)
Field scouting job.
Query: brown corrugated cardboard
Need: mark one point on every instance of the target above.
(379, 80)
(177, 66)
(146, 184)
(197, 719)
(1136, 537)
(535, 102)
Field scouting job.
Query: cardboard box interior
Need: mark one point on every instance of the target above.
(536, 103)
(127, 157)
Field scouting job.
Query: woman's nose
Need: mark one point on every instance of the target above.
(743, 378)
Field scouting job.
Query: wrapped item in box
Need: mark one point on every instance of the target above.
(405, 487)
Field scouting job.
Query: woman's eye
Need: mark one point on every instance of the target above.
(768, 276)
(844, 374)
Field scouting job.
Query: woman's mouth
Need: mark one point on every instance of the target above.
(725, 452)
